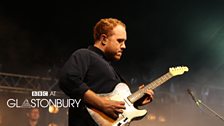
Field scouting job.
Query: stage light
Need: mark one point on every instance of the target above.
(53, 109)
(162, 119)
(151, 117)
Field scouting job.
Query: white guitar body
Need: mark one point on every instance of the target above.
(120, 93)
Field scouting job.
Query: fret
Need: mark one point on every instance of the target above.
(140, 93)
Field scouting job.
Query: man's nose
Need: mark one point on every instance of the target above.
(123, 46)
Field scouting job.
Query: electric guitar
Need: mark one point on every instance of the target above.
(122, 93)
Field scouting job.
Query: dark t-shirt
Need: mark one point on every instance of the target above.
(86, 69)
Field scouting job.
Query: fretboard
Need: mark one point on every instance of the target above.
(140, 93)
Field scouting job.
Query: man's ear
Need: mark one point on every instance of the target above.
(103, 39)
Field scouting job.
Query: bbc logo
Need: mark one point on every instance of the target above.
(39, 93)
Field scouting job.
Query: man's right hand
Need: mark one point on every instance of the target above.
(112, 108)
(109, 107)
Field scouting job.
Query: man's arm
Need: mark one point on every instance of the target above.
(71, 82)
(109, 107)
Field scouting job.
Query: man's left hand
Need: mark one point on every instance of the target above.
(149, 95)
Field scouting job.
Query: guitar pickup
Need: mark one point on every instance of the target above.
(119, 124)
(125, 119)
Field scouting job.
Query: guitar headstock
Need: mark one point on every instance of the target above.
(174, 71)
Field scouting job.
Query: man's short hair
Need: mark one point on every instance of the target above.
(105, 26)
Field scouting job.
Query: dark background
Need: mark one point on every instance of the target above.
(37, 38)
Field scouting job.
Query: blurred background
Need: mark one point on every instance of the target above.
(36, 39)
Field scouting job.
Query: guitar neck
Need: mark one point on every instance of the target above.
(140, 93)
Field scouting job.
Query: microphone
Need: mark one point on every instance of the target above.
(193, 97)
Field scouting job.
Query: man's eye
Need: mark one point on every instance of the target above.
(120, 40)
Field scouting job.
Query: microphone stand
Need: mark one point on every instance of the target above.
(198, 102)
(215, 113)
